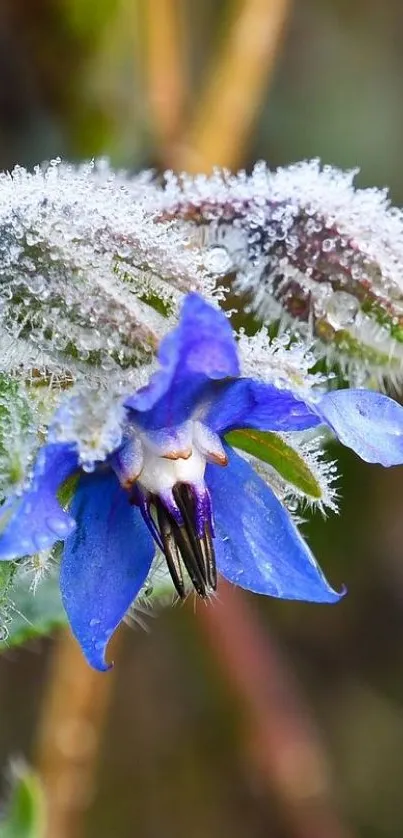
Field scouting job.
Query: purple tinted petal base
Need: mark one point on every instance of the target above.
(257, 545)
(34, 521)
(246, 403)
(368, 422)
(105, 562)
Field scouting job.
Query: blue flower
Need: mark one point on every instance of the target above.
(172, 481)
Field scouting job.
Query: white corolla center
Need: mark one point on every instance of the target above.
(164, 466)
(159, 475)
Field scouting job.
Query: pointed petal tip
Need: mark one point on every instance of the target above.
(331, 597)
(104, 565)
(95, 656)
(258, 546)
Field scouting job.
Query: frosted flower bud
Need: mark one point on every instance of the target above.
(305, 245)
(87, 278)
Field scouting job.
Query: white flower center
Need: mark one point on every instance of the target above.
(163, 468)
(159, 475)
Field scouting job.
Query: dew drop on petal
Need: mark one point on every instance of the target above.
(60, 526)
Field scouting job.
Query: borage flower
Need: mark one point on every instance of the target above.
(169, 479)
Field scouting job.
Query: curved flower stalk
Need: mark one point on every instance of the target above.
(87, 276)
(305, 245)
(164, 477)
(94, 264)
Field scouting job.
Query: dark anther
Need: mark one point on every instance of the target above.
(183, 545)
(170, 549)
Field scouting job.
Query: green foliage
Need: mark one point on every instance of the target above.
(7, 570)
(272, 449)
(31, 613)
(25, 813)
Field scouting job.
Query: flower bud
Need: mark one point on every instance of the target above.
(304, 245)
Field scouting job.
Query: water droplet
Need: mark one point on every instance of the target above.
(328, 245)
(341, 309)
(218, 261)
(60, 526)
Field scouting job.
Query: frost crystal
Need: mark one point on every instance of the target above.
(306, 246)
(87, 278)
(283, 361)
(93, 422)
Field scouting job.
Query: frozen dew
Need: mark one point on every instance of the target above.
(284, 361)
(218, 261)
(341, 309)
(88, 279)
(92, 421)
(310, 248)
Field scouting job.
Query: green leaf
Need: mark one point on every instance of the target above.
(7, 571)
(32, 614)
(25, 815)
(272, 449)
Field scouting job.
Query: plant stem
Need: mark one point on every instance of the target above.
(166, 76)
(239, 76)
(283, 747)
(70, 731)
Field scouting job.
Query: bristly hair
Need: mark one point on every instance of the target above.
(306, 246)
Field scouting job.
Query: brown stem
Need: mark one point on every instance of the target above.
(166, 76)
(283, 746)
(239, 77)
(69, 737)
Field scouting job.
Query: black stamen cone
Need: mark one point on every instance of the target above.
(182, 544)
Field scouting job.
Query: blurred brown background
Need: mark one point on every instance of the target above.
(77, 78)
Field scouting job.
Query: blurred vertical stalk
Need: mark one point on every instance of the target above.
(165, 77)
(72, 720)
(284, 749)
(239, 77)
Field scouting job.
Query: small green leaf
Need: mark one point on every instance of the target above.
(272, 449)
(66, 490)
(7, 570)
(25, 813)
(32, 614)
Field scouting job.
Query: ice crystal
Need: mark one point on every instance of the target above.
(87, 278)
(283, 361)
(305, 245)
(92, 421)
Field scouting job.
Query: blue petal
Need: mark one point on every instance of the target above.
(200, 349)
(246, 403)
(257, 545)
(369, 423)
(105, 562)
(34, 521)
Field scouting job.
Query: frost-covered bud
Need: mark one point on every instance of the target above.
(304, 245)
(87, 278)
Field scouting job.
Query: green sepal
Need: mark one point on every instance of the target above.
(272, 449)
(32, 614)
(7, 571)
(25, 812)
